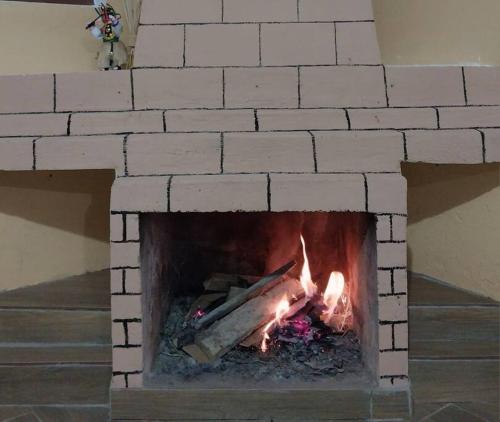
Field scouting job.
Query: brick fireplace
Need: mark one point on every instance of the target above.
(254, 107)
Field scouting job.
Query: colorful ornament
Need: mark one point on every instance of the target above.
(108, 28)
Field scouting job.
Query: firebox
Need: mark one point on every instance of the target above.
(263, 299)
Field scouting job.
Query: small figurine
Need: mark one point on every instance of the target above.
(108, 28)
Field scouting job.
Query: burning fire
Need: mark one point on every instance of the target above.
(309, 287)
(281, 311)
(332, 294)
(334, 302)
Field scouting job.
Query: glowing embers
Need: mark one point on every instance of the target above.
(312, 317)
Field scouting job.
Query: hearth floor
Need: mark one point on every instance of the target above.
(61, 372)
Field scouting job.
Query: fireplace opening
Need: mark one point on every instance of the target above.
(259, 299)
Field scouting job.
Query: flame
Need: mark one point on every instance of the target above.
(332, 294)
(337, 302)
(335, 299)
(281, 310)
(305, 276)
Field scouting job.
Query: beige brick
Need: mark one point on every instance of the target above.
(385, 337)
(127, 359)
(178, 88)
(393, 308)
(134, 333)
(116, 227)
(463, 117)
(121, 122)
(391, 255)
(126, 307)
(298, 43)
(135, 380)
(118, 381)
(16, 154)
(124, 255)
(222, 45)
(359, 151)
(357, 43)
(268, 152)
(317, 192)
(393, 363)
(401, 336)
(383, 227)
(263, 88)
(133, 280)
(393, 118)
(181, 11)
(174, 153)
(444, 146)
(94, 91)
(492, 145)
(132, 221)
(116, 281)
(425, 86)
(161, 46)
(400, 281)
(399, 224)
(384, 281)
(118, 334)
(148, 194)
(260, 10)
(483, 85)
(219, 193)
(343, 86)
(386, 193)
(80, 152)
(305, 119)
(33, 124)
(335, 10)
(26, 93)
(210, 120)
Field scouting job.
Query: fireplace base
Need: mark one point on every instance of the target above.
(286, 405)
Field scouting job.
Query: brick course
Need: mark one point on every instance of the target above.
(424, 86)
(181, 11)
(33, 124)
(268, 152)
(160, 154)
(260, 10)
(333, 86)
(298, 43)
(222, 45)
(26, 93)
(177, 88)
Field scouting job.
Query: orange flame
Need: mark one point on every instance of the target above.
(335, 299)
(305, 276)
(338, 303)
(332, 294)
(281, 310)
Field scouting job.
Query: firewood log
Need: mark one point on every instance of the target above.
(229, 331)
(264, 284)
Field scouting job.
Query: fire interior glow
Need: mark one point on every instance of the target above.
(334, 305)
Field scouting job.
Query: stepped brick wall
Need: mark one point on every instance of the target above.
(237, 105)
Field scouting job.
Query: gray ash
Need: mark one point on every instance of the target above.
(304, 349)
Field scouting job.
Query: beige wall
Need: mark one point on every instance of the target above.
(52, 225)
(439, 31)
(48, 38)
(454, 224)
(45, 239)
